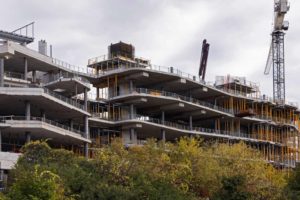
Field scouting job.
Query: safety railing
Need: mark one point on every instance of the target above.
(283, 121)
(90, 96)
(203, 103)
(69, 66)
(276, 119)
(181, 97)
(172, 70)
(64, 99)
(222, 80)
(48, 78)
(73, 68)
(97, 59)
(212, 132)
(14, 75)
(294, 104)
(4, 119)
(25, 31)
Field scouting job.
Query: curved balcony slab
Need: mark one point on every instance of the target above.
(67, 86)
(12, 101)
(158, 99)
(42, 129)
(152, 127)
(156, 103)
(171, 81)
(36, 61)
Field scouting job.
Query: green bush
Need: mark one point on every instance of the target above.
(188, 169)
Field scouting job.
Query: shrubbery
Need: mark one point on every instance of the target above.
(188, 169)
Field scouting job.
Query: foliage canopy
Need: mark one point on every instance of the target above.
(187, 169)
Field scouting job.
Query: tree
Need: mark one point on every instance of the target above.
(233, 188)
(39, 185)
(186, 169)
(293, 187)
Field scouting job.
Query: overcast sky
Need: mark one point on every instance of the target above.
(168, 32)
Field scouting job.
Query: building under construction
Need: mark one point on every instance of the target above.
(137, 100)
(121, 95)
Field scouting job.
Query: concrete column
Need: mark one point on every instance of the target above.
(86, 150)
(34, 76)
(27, 115)
(163, 117)
(86, 127)
(131, 111)
(86, 135)
(60, 73)
(25, 69)
(163, 135)
(76, 90)
(0, 140)
(28, 137)
(27, 110)
(131, 86)
(1, 72)
(85, 99)
(43, 115)
(71, 124)
(191, 122)
(132, 135)
(97, 93)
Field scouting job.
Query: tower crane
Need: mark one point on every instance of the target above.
(276, 52)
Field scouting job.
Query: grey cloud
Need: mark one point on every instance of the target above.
(169, 32)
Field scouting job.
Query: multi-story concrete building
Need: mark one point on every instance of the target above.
(44, 98)
(36, 100)
(138, 100)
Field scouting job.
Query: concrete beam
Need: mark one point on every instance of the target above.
(1, 72)
(137, 100)
(172, 106)
(191, 113)
(196, 112)
(168, 107)
(129, 126)
(139, 75)
(170, 83)
(180, 80)
(199, 89)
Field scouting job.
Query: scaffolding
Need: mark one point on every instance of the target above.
(254, 118)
